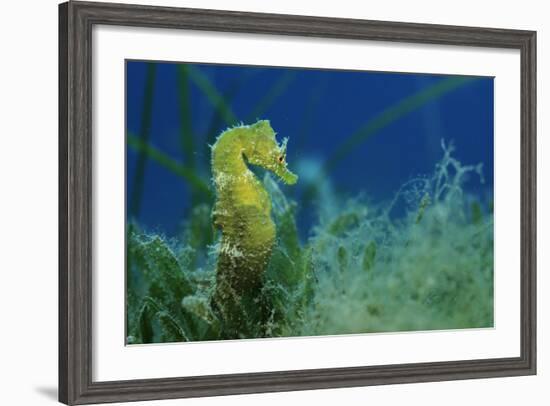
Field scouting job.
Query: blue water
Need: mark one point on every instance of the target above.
(318, 110)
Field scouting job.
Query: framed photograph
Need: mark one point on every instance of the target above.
(259, 202)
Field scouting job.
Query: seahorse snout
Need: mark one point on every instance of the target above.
(286, 176)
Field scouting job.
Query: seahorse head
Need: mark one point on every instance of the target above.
(263, 150)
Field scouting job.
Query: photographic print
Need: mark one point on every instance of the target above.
(266, 202)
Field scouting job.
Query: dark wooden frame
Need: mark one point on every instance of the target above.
(76, 20)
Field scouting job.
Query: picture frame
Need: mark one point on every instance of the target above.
(76, 211)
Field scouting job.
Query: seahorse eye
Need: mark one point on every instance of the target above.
(281, 158)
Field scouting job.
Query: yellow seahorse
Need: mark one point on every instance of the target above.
(242, 213)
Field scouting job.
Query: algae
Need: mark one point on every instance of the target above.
(365, 267)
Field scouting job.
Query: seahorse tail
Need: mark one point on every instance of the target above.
(238, 294)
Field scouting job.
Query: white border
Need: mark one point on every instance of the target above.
(112, 360)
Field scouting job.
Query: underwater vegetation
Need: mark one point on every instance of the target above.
(362, 269)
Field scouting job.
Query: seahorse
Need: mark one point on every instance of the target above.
(242, 212)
